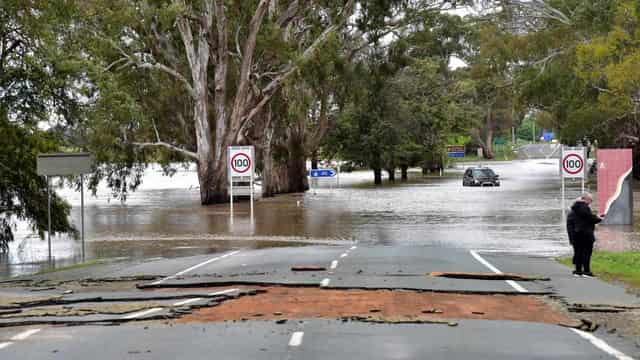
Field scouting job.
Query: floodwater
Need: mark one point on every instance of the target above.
(165, 219)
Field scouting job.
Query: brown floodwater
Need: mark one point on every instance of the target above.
(165, 219)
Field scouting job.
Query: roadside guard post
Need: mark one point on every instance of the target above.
(615, 192)
(64, 165)
(572, 166)
(241, 166)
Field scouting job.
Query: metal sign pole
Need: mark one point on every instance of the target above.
(82, 213)
(584, 167)
(49, 214)
(231, 198)
(251, 197)
(564, 206)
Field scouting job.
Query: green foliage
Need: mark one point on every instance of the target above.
(23, 194)
(623, 266)
(40, 84)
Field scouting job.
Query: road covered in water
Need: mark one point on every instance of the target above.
(422, 269)
(164, 218)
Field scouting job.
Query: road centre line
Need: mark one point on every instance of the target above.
(194, 267)
(189, 301)
(142, 313)
(185, 302)
(296, 338)
(484, 262)
(25, 334)
(19, 337)
(602, 345)
(353, 248)
(334, 264)
(344, 255)
(223, 292)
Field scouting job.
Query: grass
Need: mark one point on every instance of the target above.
(623, 267)
(70, 267)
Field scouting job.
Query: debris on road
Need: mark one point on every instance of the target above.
(308, 268)
(488, 276)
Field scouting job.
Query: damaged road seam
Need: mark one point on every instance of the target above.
(195, 267)
(484, 262)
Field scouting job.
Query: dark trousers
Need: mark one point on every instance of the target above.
(582, 250)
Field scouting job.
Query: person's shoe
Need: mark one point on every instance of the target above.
(588, 274)
(577, 273)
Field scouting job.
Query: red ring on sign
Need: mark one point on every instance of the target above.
(248, 166)
(569, 171)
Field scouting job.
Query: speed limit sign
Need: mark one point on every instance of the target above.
(241, 161)
(573, 163)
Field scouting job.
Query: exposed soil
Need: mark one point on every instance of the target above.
(279, 303)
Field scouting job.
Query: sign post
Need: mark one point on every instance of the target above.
(241, 168)
(324, 174)
(573, 166)
(64, 165)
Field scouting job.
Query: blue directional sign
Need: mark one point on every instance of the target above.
(455, 151)
(322, 173)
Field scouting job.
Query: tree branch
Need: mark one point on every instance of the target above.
(161, 143)
(180, 150)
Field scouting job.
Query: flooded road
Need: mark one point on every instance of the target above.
(164, 218)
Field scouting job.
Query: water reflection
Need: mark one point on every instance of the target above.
(164, 217)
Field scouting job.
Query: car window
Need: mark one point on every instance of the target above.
(483, 172)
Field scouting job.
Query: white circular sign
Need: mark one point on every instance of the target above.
(241, 163)
(573, 164)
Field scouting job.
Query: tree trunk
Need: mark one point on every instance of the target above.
(314, 160)
(296, 164)
(392, 174)
(488, 149)
(488, 142)
(377, 176)
(405, 171)
(425, 170)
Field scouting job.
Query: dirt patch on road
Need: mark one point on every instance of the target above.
(279, 303)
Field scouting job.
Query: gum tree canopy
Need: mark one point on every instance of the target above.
(183, 80)
(36, 87)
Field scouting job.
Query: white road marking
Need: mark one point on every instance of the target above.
(517, 286)
(25, 334)
(296, 338)
(189, 301)
(325, 282)
(353, 248)
(194, 267)
(223, 292)
(142, 313)
(334, 264)
(484, 262)
(344, 255)
(185, 302)
(5, 344)
(602, 345)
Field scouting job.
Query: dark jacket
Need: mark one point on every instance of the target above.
(585, 221)
(571, 227)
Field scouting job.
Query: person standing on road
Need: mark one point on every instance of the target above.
(583, 225)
